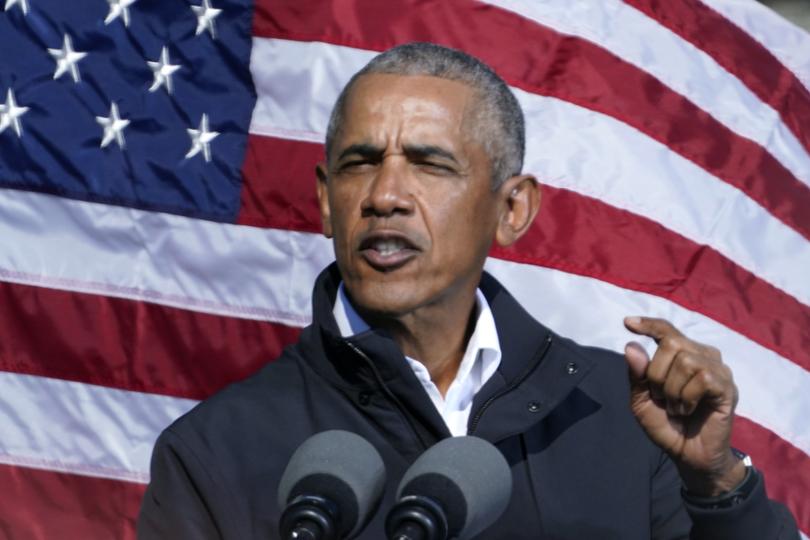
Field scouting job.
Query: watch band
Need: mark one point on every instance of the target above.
(736, 496)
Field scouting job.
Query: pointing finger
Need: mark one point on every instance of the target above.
(657, 329)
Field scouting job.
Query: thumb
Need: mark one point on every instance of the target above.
(637, 360)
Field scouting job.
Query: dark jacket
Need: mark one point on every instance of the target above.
(581, 465)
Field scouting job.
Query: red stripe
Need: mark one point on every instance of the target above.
(42, 505)
(543, 61)
(585, 236)
(128, 344)
(575, 234)
(276, 196)
(786, 468)
(740, 55)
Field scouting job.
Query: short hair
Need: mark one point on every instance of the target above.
(499, 110)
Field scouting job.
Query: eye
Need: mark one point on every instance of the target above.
(433, 167)
(357, 165)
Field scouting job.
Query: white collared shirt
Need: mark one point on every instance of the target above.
(480, 361)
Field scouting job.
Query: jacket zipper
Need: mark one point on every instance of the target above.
(399, 406)
(484, 406)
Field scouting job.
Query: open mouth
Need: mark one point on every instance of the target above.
(387, 251)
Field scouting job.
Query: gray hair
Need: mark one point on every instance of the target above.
(504, 138)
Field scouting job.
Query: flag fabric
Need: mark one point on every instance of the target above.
(159, 235)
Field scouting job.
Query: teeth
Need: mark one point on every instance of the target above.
(388, 247)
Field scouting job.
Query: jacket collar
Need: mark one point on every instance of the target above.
(538, 370)
(340, 352)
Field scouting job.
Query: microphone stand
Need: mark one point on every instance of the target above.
(309, 517)
(416, 517)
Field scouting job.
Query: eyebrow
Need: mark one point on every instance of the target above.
(412, 151)
(363, 150)
(422, 151)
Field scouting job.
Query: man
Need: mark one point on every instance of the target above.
(411, 343)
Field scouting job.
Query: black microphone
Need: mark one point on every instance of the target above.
(330, 487)
(456, 489)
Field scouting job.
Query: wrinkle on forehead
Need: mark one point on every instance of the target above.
(396, 110)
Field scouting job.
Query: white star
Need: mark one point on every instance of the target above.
(67, 60)
(119, 8)
(205, 18)
(201, 139)
(10, 114)
(22, 3)
(113, 127)
(162, 70)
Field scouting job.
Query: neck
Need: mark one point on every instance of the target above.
(436, 336)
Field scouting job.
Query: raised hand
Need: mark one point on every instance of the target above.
(684, 398)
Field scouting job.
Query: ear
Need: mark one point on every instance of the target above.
(323, 198)
(520, 197)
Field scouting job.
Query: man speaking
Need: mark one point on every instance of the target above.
(411, 343)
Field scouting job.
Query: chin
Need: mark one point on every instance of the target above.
(385, 305)
(385, 298)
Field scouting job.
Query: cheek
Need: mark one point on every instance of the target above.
(462, 226)
(341, 210)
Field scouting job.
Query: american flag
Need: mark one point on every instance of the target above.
(159, 235)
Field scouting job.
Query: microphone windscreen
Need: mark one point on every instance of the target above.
(468, 477)
(341, 467)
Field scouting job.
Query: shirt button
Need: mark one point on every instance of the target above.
(534, 406)
(571, 368)
(364, 398)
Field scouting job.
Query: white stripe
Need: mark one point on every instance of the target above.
(80, 428)
(230, 270)
(278, 268)
(567, 146)
(774, 392)
(786, 41)
(299, 107)
(678, 64)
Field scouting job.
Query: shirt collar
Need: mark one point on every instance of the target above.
(484, 346)
(348, 320)
(484, 339)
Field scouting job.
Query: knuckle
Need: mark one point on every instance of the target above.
(704, 377)
(700, 378)
(670, 341)
(686, 361)
(713, 353)
(702, 360)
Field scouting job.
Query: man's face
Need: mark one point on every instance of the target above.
(408, 196)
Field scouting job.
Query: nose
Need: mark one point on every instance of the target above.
(389, 192)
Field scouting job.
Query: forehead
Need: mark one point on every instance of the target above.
(383, 104)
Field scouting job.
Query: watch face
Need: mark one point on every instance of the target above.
(739, 454)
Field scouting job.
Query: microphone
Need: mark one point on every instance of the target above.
(457, 488)
(330, 487)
